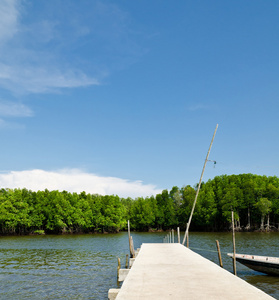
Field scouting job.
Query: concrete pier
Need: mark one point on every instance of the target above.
(172, 271)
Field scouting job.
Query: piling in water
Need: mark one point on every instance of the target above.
(219, 254)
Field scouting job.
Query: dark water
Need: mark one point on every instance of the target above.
(84, 266)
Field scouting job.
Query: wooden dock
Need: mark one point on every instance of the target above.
(172, 271)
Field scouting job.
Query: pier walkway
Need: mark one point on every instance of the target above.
(172, 271)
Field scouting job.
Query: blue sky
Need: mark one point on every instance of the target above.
(122, 97)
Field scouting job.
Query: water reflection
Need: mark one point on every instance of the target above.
(58, 267)
(84, 266)
(246, 243)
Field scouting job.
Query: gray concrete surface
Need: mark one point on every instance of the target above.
(172, 271)
(112, 293)
(123, 274)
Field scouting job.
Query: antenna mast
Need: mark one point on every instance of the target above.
(197, 193)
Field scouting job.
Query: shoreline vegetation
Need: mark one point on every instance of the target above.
(253, 198)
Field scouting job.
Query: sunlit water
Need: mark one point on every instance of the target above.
(84, 266)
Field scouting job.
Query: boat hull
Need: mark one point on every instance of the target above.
(267, 265)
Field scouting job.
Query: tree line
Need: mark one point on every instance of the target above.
(253, 198)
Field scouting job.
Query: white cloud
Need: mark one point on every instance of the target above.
(73, 46)
(28, 60)
(13, 109)
(74, 180)
(41, 79)
(8, 19)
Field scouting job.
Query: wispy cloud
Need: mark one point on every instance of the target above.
(71, 47)
(40, 79)
(8, 19)
(13, 109)
(4, 124)
(198, 106)
(29, 62)
(74, 180)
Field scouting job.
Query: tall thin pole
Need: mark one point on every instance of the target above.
(130, 241)
(187, 238)
(197, 193)
(178, 235)
(118, 268)
(234, 260)
(129, 237)
(219, 254)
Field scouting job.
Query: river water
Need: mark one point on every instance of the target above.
(85, 266)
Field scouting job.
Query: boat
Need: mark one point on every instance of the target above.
(264, 264)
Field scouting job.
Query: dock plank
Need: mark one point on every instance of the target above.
(172, 271)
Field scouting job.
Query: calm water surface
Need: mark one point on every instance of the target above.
(84, 266)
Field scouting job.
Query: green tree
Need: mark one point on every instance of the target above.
(264, 207)
(188, 196)
(206, 208)
(142, 214)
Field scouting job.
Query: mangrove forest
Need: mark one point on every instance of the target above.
(253, 198)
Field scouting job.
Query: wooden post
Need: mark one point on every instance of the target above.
(197, 193)
(132, 248)
(131, 244)
(219, 254)
(129, 236)
(127, 261)
(118, 268)
(234, 260)
(187, 238)
(172, 233)
(178, 235)
(129, 228)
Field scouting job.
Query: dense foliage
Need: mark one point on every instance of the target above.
(23, 211)
(253, 198)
